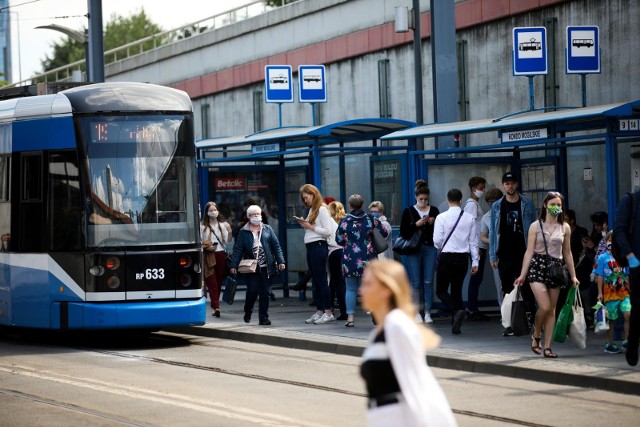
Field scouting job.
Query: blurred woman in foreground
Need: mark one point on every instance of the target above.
(402, 389)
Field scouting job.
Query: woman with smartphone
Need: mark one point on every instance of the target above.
(317, 229)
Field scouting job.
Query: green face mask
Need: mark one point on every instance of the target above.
(554, 210)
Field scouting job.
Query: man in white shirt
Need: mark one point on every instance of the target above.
(455, 236)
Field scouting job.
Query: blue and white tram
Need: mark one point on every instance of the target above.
(98, 210)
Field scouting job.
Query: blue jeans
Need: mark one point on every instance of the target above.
(353, 283)
(421, 267)
(317, 255)
(475, 281)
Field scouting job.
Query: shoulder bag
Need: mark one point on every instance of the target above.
(248, 266)
(557, 273)
(380, 243)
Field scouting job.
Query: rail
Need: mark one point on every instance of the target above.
(76, 71)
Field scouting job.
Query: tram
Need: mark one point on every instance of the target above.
(98, 210)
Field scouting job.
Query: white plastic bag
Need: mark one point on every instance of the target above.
(600, 319)
(578, 327)
(505, 308)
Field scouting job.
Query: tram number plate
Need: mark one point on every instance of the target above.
(628, 124)
(151, 274)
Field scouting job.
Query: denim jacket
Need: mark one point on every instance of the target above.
(243, 248)
(529, 216)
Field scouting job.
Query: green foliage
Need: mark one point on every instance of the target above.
(119, 31)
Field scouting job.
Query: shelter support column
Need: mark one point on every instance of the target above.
(611, 161)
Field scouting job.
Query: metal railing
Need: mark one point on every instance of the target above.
(138, 47)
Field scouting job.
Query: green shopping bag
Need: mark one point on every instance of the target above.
(565, 317)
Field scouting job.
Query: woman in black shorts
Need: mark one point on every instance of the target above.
(536, 261)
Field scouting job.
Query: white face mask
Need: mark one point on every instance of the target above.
(478, 193)
(212, 214)
(255, 220)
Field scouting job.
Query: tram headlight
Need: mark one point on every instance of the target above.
(112, 263)
(185, 280)
(185, 261)
(113, 282)
(96, 270)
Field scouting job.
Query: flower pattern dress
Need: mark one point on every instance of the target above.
(355, 236)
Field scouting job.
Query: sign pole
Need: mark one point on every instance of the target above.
(280, 114)
(313, 114)
(584, 89)
(532, 103)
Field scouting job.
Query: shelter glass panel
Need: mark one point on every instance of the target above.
(586, 181)
(358, 176)
(387, 187)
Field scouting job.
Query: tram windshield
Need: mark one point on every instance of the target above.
(141, 180)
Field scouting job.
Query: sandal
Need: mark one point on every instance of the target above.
(536, 348)
(549, 354)
(349, 324)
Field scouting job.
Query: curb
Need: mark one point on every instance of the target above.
(514, 366)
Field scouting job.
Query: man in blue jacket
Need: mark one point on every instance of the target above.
(628, 217)
(511, 217)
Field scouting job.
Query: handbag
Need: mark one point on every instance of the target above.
(248, 266)
(230, 285)
(519, 321)
(505, 308)
(565, 317)
(578, 326)
(404, 246)
(447, 239)
(557, 274)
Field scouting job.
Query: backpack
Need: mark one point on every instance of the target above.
(615, 246)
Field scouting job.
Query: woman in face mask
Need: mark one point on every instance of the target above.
(420, 261)
(259, 241)
(215, 234)
(537, 258)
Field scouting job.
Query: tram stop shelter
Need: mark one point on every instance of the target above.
(270, 166)
(590, 154)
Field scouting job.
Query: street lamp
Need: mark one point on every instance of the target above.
(80, 37)
(404, 21)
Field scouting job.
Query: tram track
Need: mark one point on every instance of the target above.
(120, 354)
(73, 408)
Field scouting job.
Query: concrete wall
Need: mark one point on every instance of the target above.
(224, 67)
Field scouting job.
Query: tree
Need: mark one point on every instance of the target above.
(119, 31)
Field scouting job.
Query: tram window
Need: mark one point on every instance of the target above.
(32, 178)
(65, 202)
(4, 178)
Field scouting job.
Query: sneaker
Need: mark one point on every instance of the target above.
(313, 318)
(427, 318)
(419, 318)
(508, 332)
(458, 318)
(265, 322)
(246, 317)
(612, 348)
(625, 344)
(325, 319)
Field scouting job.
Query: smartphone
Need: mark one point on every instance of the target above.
(297, 218)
